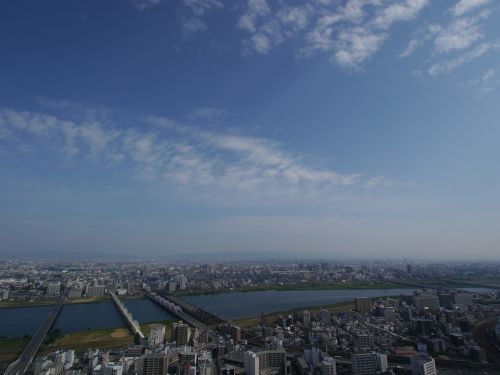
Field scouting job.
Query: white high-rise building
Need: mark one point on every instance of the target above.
(53, 289)
(156, 335)
(422, 364)
(251, 361)
(182, 282)
(5, 295)
(382, 363)
(265, 360)
(108, 369)
(95, 290)
(328, 366)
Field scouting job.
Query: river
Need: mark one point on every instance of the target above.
(16, 322)
(20, 321)
(250, 304)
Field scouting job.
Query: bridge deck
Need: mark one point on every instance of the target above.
(22, 363)
(133, 324)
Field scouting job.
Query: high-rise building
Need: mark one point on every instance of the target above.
(328, 366)
(363, 341)
(446, 299)
(235, 333)
(182, 282)
(74, 293)
(108, 369)
(205, 363)
(463, 299)
(172, 286)
(362, 305)
(306, 318)
(153, 364)
(181, 333)
(4, 295)
(53, 289)
(382, 363)
(423, 365)
(266, 360)
(156, 335)
(364, 364)
(369, 363)
(95, 290)
(429, 301)
(251, 363)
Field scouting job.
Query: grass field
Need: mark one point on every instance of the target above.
(255, 321)
(81, 341)
(10, 348)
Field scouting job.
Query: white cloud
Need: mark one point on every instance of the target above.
(356, 31)
(191, 20)
(208, 113)
(192, 25)
(220, 166)
(464, 6)
(349, 31)
(410, 48)
(486, 83)
(296, 17)
(399, 12)
(449, 65)
(199, 7)
(145, 4)
(260, 43)
(459, 35)
(356, 45)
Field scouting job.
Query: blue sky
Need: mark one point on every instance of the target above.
(336, 128)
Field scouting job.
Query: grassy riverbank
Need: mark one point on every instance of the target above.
(11, 348)
(333, 308)
(304, 286)
(108, 338)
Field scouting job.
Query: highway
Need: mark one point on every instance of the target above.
(22, 363)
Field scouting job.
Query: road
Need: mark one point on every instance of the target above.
(22, 363)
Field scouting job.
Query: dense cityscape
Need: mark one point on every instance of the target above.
(431, 318)
(249, 187)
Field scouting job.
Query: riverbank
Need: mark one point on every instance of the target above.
(109, 338)
(278, 288)
(333, 308)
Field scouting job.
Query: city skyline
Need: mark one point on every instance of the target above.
(326, 128)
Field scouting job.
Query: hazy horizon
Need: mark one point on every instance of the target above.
(319, 127)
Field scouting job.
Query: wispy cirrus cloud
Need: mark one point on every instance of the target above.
(458, 41)
(465, 58)
(464, 6)
(145, 4)
(158, 150)
(458, 35)
(191, 19)
(486, 82)
(351, 32)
